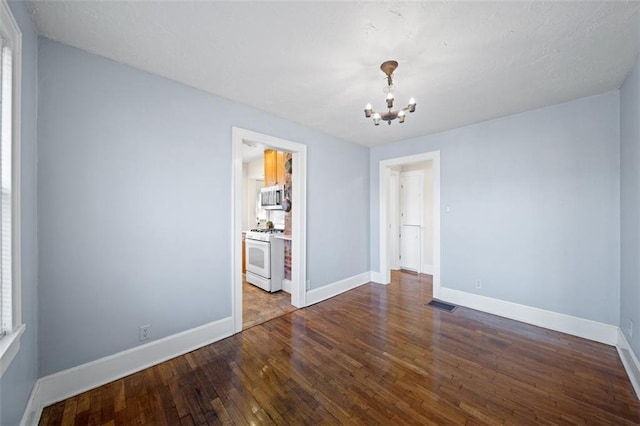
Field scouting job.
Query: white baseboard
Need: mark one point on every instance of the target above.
(427, 269)
(64, 384)
(286, 286)
(580, 327)
(630, 361)
(33, 411)
(323, 293)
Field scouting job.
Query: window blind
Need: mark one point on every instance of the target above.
(6, 311)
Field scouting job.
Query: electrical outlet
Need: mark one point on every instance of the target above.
(145, 332)
(479, 284)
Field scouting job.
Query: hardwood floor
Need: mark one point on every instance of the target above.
(259, 306)
(373, 355)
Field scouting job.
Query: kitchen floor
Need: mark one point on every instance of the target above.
(259, 306)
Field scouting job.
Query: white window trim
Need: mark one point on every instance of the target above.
(9, 347)
(10, 344)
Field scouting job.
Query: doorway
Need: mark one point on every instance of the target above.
(391, 222)
(298, 217)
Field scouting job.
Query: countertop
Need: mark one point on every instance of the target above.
(283, 237)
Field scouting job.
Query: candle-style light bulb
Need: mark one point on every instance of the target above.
(367, 111)
(412, 104)
(390, 100)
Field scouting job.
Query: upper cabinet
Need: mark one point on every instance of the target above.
(280, 167)
(273, 167)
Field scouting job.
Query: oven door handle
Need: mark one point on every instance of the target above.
(257, 243)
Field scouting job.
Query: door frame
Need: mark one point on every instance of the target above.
(298, 217)
(383, 188)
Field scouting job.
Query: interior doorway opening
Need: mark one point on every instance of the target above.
(410, 216)
(296, 226)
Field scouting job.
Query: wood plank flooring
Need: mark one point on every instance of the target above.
(259, 306)
(373, 355)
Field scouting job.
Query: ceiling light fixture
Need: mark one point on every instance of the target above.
(388, 68)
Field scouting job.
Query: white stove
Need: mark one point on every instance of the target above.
(265, 259)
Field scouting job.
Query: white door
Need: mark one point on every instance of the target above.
(411, 219)
(394, 220)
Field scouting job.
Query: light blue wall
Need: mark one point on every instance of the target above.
(630, 206)
(534, 203)
(17, 382)
(134, 205)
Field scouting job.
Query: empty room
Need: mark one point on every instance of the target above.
(309, 212)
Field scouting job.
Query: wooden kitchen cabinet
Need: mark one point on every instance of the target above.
(273, 167)
(270, 160)
(280, 167)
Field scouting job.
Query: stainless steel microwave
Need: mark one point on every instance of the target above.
(271, 197)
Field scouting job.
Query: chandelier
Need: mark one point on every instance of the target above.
(388, 68)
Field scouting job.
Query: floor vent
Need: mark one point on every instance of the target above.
(441, 305)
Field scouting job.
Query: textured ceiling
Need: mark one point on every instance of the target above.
(317, 63)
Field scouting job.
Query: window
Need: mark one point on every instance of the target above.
(11, 327)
